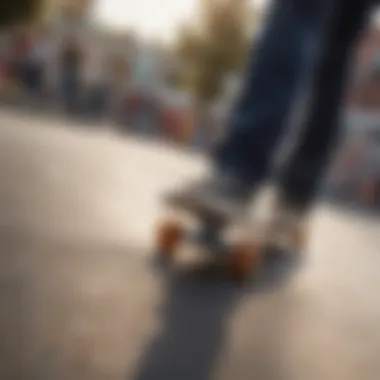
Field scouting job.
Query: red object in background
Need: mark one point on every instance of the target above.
(133, 104)
(168, 123)
(174, 126)
(21, 44)
(5, 72)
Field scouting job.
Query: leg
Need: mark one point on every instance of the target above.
(302, 172)
(273, 76)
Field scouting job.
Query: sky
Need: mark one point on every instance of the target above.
(151, 18)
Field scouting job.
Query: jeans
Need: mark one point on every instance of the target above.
(310, 39)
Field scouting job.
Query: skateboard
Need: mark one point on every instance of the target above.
(226, 228)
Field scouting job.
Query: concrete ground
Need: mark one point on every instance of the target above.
(81, 299)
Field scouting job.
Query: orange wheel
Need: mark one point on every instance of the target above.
(245, 259)
(169, 236)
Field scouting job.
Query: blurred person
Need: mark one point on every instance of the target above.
(147, 115)
(303, 39)
(39, 58)
(132, 102)
(19, 49)
(3, 62)
(347, 167)
(117, 71)
(98, 84)
(355, 174)
(71, 62)
(369, 172)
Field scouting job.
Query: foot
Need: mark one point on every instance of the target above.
(215, 196)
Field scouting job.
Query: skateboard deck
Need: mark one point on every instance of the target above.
(206, 208)
(247, 246)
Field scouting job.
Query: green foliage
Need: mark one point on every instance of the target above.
(216, 45)
(19, 11)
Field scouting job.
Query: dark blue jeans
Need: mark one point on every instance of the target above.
(305, 42)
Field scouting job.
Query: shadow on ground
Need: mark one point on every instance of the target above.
(195, 317)
(82, 309)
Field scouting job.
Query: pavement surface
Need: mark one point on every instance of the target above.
(80, 298)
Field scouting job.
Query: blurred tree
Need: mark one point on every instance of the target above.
(19, 11)
(215, 46)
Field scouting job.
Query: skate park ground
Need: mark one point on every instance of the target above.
(81, 299)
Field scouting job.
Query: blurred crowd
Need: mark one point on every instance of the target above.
(68, 76)
(355, 173)
(29, 59)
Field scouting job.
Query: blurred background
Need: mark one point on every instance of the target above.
(104, 106)
(166, 70)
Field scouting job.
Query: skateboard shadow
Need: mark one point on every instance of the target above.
(198, 306)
